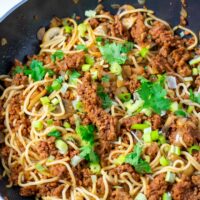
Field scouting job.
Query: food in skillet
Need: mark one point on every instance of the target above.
(109, 109)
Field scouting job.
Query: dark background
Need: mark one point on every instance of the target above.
(20, 29)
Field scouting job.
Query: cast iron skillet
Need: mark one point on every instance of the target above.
(21, 26)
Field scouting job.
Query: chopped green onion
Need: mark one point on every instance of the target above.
(75, 160)
(57, 55)
(170, 177)
(89, 60)
(144, 51)
(166, 196)
(39, 167)
(132, 107)
(67, 125)
(164, 161)
(61, 146)
(147, 135)
(147, 158)
(162, 139)
(86, 67)
(95, 168)
(147, 111)
(68, 29)
(51, 107)
(195, 72)
(194, 147)
(140, 196)
(82, 28)
(55, 101)
(56, 85)
(188, 79)
(154, 135)
(139, 126)
(120, 160)
(94, 74)
(176, 150)
(124, 97)
(174, 106)
(55, 133)
(90, 13)
(116, 68)
(195, 60)
(190, 109)
(50, 158)
(38, 125)
(49, 122)
(45, 100)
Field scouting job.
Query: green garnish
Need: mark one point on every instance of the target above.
(18, 70)
(81, 47)
(73, 76)
(99, 39)
(95, 168)
(115, 53)
(124, 97)
(61, 146)
(154, 96)
(37, 70)
(68, 29)
(144, 52)
(86, 132)
(181, 113)
(194, 97)
(54, 133)
(105, 78)
(90, 13)
(58, 55)
(57, 84)
(105, 98)
(87, 152)
(194, 148)
(134, 159)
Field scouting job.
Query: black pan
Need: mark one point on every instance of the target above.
(20, 29)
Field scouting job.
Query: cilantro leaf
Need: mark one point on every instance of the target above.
(180, 113)
(37, 70)
(57, 55)
(87, 152)
(194, 97)
(73, 76)
(81, 47)
(154, 96)
(113, 53)
(18, 70)
(86, 132)
(105, 78)
(105, 98)
(134, 159)
(128, 46)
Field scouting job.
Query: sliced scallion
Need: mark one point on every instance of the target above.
(194, 148)
(195, 60)
(166, 196)
(61, 146)
(164, 161)
(139, 126)
(95, 168)
(120, 160)
(116, 68)
(45, 100)
(38, 125)
(170, 177)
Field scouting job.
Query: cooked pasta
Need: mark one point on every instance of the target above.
(108, 109)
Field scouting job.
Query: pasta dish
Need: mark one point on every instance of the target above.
(108, 109)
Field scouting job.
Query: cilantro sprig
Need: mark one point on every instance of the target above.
(154, 95)
(141, 166)
(58, 55)
(105, 98)
(87, 150)
(194, 97)
(116, 53)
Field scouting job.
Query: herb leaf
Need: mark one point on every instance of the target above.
(81, 47)
(57, 55)
(154, 96)
(194, 97)
(134, 159)
(180, 113)
(86, 132)
(87, 152)
(105, 78)
(105, 98)
(37, 70)
(55, 133)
